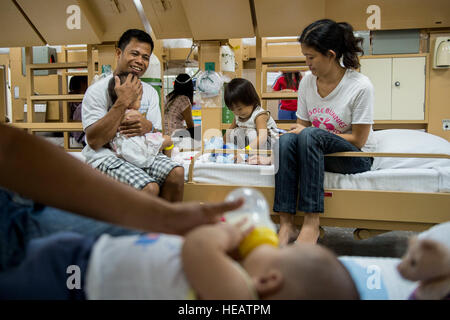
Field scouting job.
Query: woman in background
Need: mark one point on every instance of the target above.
(288, 81)
(178, 107)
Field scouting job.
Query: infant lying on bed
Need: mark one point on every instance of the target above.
(159, 266)
(138, 150)
(202, 265)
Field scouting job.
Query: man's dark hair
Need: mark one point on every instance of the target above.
(139, 35)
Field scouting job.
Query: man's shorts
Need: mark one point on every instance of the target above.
(138, 178)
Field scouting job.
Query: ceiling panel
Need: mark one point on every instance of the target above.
(50, 18)
(287, 17)
(115, 19)
(216, 19)
(15, 31)
(167, 18)
(394, 14)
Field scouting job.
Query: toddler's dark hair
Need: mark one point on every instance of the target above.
(241, 90)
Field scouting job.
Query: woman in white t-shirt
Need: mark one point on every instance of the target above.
(335, 113)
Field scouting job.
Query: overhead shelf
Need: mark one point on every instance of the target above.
(80, 73)
(60, 97)
(287, 69)
(275, 60)
(63, 65)
(279, 95)
(50, 126)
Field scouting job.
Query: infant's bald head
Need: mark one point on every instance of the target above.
(316, 273)
(309, 271)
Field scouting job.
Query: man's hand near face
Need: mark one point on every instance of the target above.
(134, 124)
(128, 92)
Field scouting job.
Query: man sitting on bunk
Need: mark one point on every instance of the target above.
(165, 177)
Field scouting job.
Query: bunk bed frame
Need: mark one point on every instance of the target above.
(370, 212)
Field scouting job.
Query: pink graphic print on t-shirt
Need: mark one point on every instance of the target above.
(322, 123)
(322, 118)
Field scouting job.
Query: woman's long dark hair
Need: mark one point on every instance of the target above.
(326, 34)
(183, 86)
(290, 84)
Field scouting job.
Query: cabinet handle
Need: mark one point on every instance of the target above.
(397, 83)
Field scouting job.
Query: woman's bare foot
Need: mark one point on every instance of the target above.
(310, 231)
(288, 231)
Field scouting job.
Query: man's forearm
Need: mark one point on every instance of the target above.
(57, 179)
(104, 130)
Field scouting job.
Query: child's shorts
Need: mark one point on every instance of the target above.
(138, 178)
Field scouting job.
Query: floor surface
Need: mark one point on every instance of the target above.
(390, 244)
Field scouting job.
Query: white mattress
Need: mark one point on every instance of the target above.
(410, 180)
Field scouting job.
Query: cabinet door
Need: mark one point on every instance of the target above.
(379, 71)
(408, 88)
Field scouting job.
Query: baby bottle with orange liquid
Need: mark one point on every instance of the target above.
(256, 210)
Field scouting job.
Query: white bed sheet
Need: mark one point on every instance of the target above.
(409, 180)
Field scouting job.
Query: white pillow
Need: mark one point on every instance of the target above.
(409, 141)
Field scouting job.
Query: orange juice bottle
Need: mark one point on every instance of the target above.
(256, 210)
